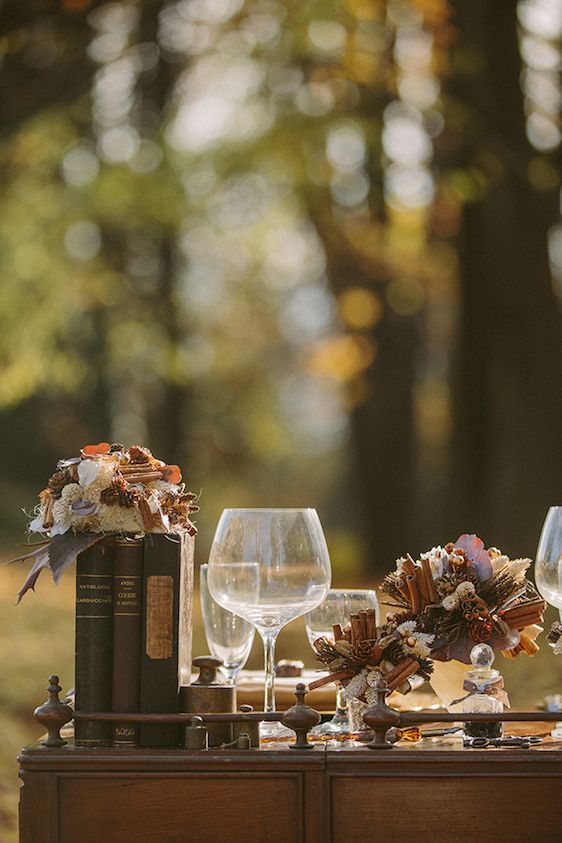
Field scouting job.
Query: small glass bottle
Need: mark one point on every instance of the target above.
(482, 657)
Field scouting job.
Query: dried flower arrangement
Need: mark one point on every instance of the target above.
(108, 489)
(448, 600)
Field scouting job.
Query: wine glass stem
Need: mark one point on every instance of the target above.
(341, 702)
(269, 637)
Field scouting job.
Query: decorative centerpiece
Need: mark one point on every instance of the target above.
(443, 603)
(108, 489)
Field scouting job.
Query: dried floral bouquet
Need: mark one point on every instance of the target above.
(108, 489)
(444, 603)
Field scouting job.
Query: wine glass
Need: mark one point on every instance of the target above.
(269, 566)
(229, 636)
(548, 564)
(337, 607)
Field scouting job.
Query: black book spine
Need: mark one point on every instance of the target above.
(167, 588)
(127, 621)
(94, 641)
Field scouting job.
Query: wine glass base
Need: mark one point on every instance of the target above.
(339, 724)
(275, 731)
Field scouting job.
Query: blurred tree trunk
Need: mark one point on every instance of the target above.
(382, 476)
(508, 370)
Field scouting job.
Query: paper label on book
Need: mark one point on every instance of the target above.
(159, 617)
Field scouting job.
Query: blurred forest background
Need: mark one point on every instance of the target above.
(309, 250)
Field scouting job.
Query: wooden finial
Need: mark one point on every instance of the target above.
(380, 717)
(53, 714)
(300, 718)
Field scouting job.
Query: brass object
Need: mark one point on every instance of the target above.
(300, 718)
(196, 735)
(53, 714)
(249, 727)
(206, 695)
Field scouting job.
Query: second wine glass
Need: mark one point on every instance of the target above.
(229, 636)
(337, 608)
(269, 566)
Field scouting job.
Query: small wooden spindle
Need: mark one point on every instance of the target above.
(53, 714)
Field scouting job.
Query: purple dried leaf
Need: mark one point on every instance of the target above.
(83, 508)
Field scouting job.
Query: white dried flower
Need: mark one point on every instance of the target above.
(464, 589)
(421, 647)
(400, 564)
(517, 568)
(407, 626)
(450, 602)
(499, 563)
(436, 557)
(356, 686)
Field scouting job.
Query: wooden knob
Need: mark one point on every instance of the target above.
(53, 714)
(300, 718)
(208, 666)
(380, 717)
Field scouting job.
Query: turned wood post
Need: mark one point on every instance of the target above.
(53, 714)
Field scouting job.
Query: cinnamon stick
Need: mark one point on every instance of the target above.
(408, 565)
(530, 647)
(338, 632)
(401, 672)
(414, 596)
(355, 629)
(371, 623)
(402, 588)
(363, 621)
(331, 677)
(430, 585)
(421, 587)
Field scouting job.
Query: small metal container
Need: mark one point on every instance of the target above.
(250, 728)
(206, 695)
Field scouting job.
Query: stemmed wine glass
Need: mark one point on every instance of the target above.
(548, 564)
(229, 636)
(269, 566)
(337, 607)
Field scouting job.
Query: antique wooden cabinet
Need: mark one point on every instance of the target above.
(415, 794)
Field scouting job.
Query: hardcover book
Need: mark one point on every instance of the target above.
(127, 625)
(166, 635)
(94, 641)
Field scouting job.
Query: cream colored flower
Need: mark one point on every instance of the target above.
(464, 589)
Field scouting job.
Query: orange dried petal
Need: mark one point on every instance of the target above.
(92, 450)
(171, 473)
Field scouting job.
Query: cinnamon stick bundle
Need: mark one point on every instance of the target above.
(524, 615)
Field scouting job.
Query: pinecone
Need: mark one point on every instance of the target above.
(118, 493)
(480, 631)
(361, 652)
(138, 454)
(59, 480)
